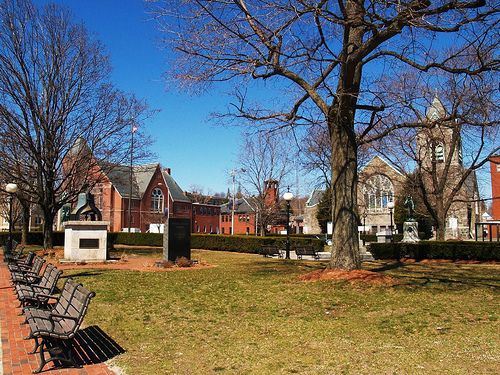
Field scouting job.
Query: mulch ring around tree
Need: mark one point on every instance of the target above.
(355, 276)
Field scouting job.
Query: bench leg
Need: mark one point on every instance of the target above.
(37, 345)
(57, 352)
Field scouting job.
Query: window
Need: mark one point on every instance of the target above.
(439, 152)
(498, 167)
(156, 200)
(378, 191)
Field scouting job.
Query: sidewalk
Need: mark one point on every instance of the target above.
(14, 349)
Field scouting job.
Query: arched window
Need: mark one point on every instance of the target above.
(378, 191)
(156, 200)
(439, 152)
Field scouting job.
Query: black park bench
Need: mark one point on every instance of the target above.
(32, 294)
(306, 251)
(53, 330)
(270, 250)
(29, 275)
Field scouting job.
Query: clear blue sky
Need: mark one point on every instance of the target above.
(199, 152)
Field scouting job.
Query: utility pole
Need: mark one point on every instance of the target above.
(134, 129)
(233, 174)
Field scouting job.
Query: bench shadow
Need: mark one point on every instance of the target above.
(82, 274)
(91, 345)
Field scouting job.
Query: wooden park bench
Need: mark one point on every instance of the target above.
(270, 251)
(18, 264)
(12, 253)
(306, 251)
(33, 294)
(53, 330)
(29, 275)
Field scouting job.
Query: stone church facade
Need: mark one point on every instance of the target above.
(381, 183)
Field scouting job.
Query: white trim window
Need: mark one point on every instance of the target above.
(439, 152)
(157, 200)
(378, 191)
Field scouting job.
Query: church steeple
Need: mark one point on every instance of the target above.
(436, 111)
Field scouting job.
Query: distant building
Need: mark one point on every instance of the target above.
(155, 194)
(495, 186)
(381, 183)
(206, 218)
(244, 217)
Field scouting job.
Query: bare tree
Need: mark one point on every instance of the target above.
(264, 159)
(54, 97)
(324, 56)
(459, 133)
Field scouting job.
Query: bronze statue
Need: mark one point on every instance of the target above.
(410, 206)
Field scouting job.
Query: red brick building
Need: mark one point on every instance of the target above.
(154, 194)
(206, 218)
(244, 217)
(495, 191)
(495, 186)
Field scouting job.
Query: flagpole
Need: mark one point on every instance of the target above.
(131, 178)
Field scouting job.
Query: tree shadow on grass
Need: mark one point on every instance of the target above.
(82, 274)
(451, 274)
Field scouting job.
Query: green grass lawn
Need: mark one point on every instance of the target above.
(251, 315)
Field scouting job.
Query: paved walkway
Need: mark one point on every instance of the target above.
(14, 349)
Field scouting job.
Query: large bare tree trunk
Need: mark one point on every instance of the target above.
(26, 223)
(345, 249)
(344, 199)
(47, 230)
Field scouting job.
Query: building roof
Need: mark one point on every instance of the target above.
(315, 198)
(436, 110)
(242, 206)
(381, 159)
(176, 192)
(119, 175)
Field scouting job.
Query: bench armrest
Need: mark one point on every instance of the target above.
(46, 296)
(55, 315)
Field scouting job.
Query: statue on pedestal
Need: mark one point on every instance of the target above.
(410, 226)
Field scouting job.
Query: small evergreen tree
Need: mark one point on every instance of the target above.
(324, 213)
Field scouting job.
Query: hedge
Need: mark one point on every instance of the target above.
(244, 244)
(34, 238)
(248, 244)
(453, 250)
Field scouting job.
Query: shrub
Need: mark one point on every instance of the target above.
(183, 262)
(135, 239)
(248, 244)
(453, 250)
(34, 238)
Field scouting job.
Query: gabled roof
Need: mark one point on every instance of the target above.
(176, 193)
(315, 198)
(241, 206)
(119, 175)
(376, 157)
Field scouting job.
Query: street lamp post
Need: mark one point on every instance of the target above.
(288, 197)
(390, 206)
(11, 189)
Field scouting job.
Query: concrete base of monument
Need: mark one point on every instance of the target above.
(410, 231)
(85, 241)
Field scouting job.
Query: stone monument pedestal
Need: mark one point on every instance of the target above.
(85, 241)
(410, 231)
